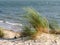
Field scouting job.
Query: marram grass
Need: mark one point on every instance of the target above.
(36, 20)
(28, 31)
(1, 32)
(39, 23)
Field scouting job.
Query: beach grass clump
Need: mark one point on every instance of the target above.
(36, 21)
(28, 31)
(1, 32)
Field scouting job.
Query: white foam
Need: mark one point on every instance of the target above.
(10, 23)
(14, 23)
(1, 21)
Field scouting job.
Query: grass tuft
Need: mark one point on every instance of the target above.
(28, 31)
(1, 32)
(37, 22)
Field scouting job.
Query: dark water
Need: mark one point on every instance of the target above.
(12, 10)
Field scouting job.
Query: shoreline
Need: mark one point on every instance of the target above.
(11, 26)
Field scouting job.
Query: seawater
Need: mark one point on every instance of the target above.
(12, 11)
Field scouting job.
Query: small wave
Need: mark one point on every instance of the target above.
(2, 21)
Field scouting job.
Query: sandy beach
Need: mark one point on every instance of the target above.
(45, 39)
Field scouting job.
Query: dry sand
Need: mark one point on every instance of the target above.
(45, 39)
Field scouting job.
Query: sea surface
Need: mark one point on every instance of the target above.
(12, 11)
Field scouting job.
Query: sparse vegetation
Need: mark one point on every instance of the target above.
(1, 32)
(28, 31)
